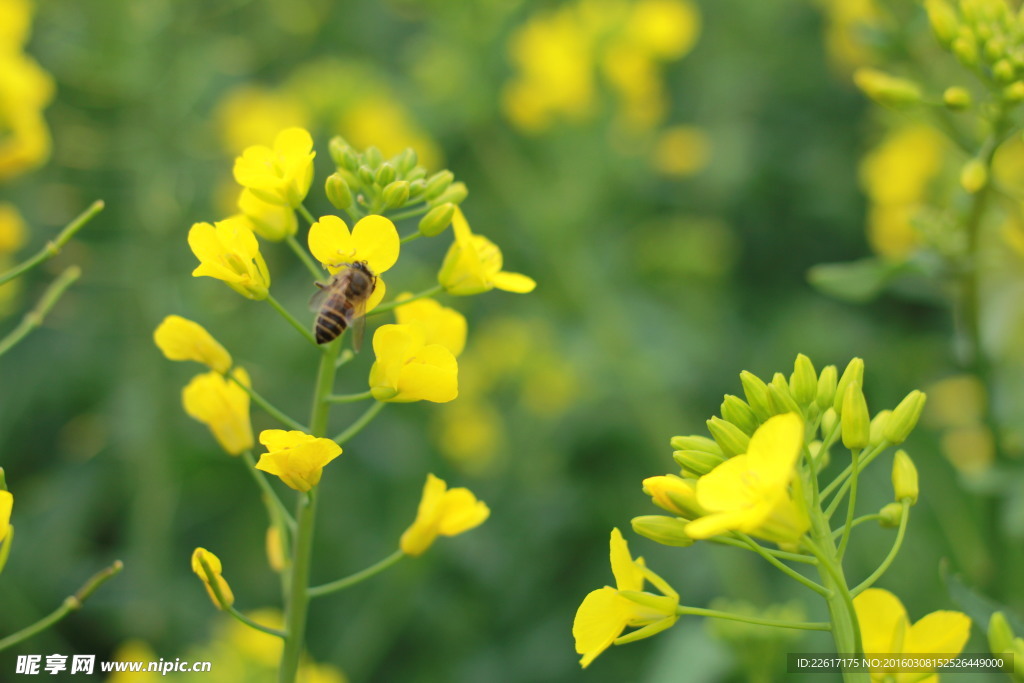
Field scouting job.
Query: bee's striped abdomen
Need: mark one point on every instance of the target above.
(333, 319)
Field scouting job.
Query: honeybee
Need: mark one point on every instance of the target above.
(341, 303)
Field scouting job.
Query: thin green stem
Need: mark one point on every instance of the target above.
(269, 408)
(778, 623)
(780, 554)
(856, 523)
(70, 604)
(350, 398)
(845, 627)
(304, 256)
(53, 247)
(212, 580)
(304, 212)
(358, 425)
(843, 479)
(875, 575)
(34, 318)
(270, 496)
(411, 213)
(384, 308)
(788, 571)
(410, 237)
(291, 319)
(851, 504)
(358, 577)
(344, 357)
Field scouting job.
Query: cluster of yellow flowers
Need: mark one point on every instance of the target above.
(562, 56)
(12, 238)
(757, 477)
(25, 90)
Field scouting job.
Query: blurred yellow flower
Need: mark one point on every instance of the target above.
(202, 555)
(886, 629)
(296, 457)
(440, 324)
(847, 24)
(665, 29)
(134, 651)
(750, 492)
(12, 229)
(380, 119)
(473, 264)
(282, 174)
(270, 221)
(681, 151)
(6, 505)
(25, 90)
(223, 406)
(15, 21)
(606, 612)
(251, 115)
(408, 369)
(228, 251)
(469, 434)
(182, 339)
(442, 512)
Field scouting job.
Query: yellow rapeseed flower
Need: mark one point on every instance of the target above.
(15, 21)
(886, 629)
(282, 174)
(6, 504)
(228, 251)
(473, 264)
(213, 563)
(606, 612)
(223, 406)
(442, 512)
(270, 221)
(750, 492)
(25, 89)
(409, 369)
(249, 115)
(182, 339)
(12, 229)
(675, 494)
(440, 324)
(296, 457)
(373, 239)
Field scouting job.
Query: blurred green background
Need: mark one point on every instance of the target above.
(669, 216)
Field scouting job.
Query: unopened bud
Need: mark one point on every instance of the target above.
(757, 395)
(854, 373)
(904, 417)
(944, 20)
(1014, 92)
(365, 175)
(856, 420)
(735, 410)
(1000, 635)
(890, 516)
(436, 220)
(974, 176)
(455, 194)
(829, 421)
(782, 400)
(662, 529)
(438, 183)
(956, 98)
(396, 194)
(1003, 71)
(386, 174)
(697, 463)
(406, 161)
(803, 383)
(887, 89)
(373, 157)
(878, 423)
(675, 494)
(338, 192)
(730, 437)
(336, 148)
(965, 49)
(826, 387)
(904, 477)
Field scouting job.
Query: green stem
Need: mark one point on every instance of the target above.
(53, 247)
(788, 571)
(778, 623)
(271, 497)
(845, 627)
(843, 480)
(856, 523)
(358, 425)
(384, 308)
(851, 504)
(70, 604)
(297, 599)
(875, 575)
(358, 577)
(291, 319)
(269, 408)
(350, 398)
(34, 318)
(410, 237)
(780, 554)
(304, 212)
(214, 584)
(411, 213)
(304, 256)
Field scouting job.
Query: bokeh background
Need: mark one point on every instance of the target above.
(667, 170)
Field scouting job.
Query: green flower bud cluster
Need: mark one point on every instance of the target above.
(373, 184)
(985, 36)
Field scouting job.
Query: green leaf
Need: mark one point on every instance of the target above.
(975, 605)
(856, 281)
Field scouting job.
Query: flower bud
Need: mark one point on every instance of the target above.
(803, 383)
(854, 373)
(1000, 635)
(416, 188)
(995, 48)
(437, 220)
(675, 494)
(904, 417)
(406, 161)
(365, 175)
(438, 183)
(385, 175)
(735, 410)
(856, 420)
(878, 423)
(887, 89)
(697, 463)
(974, 176)
(337, 148)
(829, 421)
(456, 194)
(396, 194)
(966, 49)
(782, 400)
(208, 567)
(730, 437)
(757, 395)
(891, 515)
(956, 98)
(826, 386)
(372, 157)
(275, 553)
(1014, 92)
(695, 443)
(944, 20)
(662, 529)
(1003, 71)
(904, 477)
(338, 192)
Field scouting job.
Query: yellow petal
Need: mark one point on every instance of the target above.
(440, 325)
(882, 620)
(513, 282)
(601, 617)
(6, 505)
(727, 487)
(462, 512)
(330, 242)
(628, 576)
(775, 447)
(182, 339)
(942, 632)
(431, 375)
(375, 240)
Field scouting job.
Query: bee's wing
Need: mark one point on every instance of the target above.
(319, 296)
(358, 324)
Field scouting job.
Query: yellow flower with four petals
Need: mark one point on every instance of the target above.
(473, 264)
(228, 251)
(297, 458)
(223, 406)
(282, 174)
(374, 239)
(182, 339)
(442, 512)
(409, 369)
